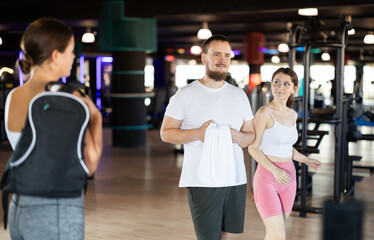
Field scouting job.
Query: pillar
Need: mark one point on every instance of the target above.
(253, 54)
(162, 83)
(128, 39)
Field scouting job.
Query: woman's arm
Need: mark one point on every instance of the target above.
(261, 118)
(94, 134)
(313, 163)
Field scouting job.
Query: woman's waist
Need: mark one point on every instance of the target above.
(276, 159)
(25, 200)
(286, 164)
(280, 152)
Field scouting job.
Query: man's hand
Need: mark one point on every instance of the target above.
(202, 130)
(245, 136)
(171, 131)
(235, 135)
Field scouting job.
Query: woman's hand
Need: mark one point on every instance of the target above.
(281, 176)
(313, 163)
(94, 111)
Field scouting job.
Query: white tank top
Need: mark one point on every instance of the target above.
(13, 137)
(278, 140)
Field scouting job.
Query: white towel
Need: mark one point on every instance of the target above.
(217, 164)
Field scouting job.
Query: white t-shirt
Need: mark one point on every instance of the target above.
(195, 104)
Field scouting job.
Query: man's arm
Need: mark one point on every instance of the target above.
(246, 136)
(171, 133)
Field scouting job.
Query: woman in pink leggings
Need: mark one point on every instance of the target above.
(274, 182)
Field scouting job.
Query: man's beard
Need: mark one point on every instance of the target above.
(216, 75)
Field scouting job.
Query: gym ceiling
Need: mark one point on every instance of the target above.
(178, 21)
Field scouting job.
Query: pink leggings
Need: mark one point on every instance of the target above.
(271, 197)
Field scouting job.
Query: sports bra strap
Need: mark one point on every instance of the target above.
(270, 112)
(294, 116)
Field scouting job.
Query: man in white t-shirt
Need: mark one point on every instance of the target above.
(216, 194)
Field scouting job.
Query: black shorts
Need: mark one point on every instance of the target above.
(215, 210)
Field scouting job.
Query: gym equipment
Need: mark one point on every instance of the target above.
(316, 116)
(340, 44)
(354, 135)
(7, 83)
(260, 96)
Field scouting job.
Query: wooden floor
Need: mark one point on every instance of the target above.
(135, 195)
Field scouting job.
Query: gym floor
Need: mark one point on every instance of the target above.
(135, 194)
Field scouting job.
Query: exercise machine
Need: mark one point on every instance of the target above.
(339, 44)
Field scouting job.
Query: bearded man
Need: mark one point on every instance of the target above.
(216, 183)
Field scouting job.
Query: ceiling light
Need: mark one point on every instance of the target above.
(236, 52)
(1, 41)
(283, 47)
(204, 33)
(192, 62)
(88, 37)
(369, 38)
(6, 69)
(232, 54)
(147, 102)
(325, 56)
(308, 11)
(275, 59)
(169, 58)
(351, 32)
(195, 50)
(181, 50)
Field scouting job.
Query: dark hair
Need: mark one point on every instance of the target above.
(214, 38)
(40, 39)
(294, 79)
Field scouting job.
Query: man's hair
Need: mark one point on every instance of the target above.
(214, 38)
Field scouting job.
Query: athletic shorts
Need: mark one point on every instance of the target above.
(215, 210)
(271, 197)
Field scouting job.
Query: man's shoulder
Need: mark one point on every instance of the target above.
(235, 89)
(189, 87)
